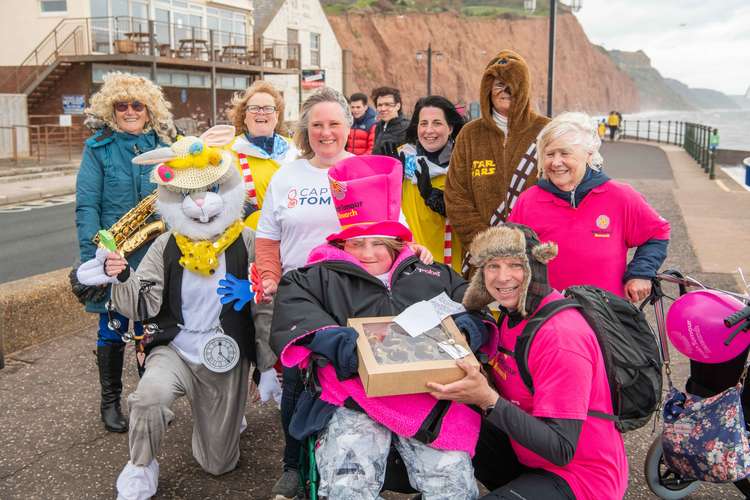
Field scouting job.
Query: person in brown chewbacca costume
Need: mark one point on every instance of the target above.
(494, 157)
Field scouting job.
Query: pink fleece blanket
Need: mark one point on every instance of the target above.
(401, 414)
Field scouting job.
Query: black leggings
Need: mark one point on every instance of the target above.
(497, 467)
(291, 388)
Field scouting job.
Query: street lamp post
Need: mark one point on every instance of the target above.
(575, 6)
(551, 59)
(429, 53)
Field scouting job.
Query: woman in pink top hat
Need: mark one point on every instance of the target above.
(367, 269)
(297, 215)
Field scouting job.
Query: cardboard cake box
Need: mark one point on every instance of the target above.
(391, 362)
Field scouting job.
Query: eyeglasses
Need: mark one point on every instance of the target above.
(385, 105)
(258, 109)
(499, 87)
(136, 106)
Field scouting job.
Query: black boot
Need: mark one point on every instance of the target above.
(110, 358)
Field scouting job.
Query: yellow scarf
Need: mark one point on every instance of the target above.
(202, 256)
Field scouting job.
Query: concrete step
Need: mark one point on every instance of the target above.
(38, 175)
(10, 173)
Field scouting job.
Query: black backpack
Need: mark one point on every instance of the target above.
(630, 349)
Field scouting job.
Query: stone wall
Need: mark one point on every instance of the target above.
(40, 308)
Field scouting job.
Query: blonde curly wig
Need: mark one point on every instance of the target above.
(239, 102)
(119, 86)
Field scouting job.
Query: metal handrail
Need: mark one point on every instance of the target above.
(22, 86)
(694, 138)
(42, 136)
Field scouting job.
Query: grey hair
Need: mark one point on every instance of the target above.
(584, 133)
(324, 94)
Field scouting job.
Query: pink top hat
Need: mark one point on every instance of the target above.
(367, 195)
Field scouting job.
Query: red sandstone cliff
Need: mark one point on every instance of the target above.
(384, 46)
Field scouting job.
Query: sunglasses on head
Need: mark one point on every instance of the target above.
(135, 105)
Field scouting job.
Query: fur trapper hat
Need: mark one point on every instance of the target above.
(511, 241)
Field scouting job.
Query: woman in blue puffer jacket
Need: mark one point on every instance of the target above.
(132, 117)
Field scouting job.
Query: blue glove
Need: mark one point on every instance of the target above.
(235, 290)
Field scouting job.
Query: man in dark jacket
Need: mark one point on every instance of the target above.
(391, 129)
(362, 134)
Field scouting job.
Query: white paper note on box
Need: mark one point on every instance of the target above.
(418, 318)
(445, 306)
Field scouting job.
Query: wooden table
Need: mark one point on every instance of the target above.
(234, 54)
(194, 48)
(142, 41)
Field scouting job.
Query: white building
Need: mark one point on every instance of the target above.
(302, 22)
(56, 51)
(25, 23)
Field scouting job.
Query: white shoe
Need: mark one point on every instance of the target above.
(138, 482)
(243, 424)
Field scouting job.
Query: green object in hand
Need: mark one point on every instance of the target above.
(107, 240)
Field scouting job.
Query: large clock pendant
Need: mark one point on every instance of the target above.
(220, 353)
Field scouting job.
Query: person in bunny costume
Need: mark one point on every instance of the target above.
(197, 344)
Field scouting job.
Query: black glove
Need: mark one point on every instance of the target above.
(86, 293)
(433, 197)
(424, 183)
(473, 328)
(391, 149)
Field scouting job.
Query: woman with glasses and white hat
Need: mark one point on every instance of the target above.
(260, 149)
(131, 116)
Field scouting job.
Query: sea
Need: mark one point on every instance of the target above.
(733, 124)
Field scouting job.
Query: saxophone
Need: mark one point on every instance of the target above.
(131, 231)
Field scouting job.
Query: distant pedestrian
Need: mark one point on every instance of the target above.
(601, 129)
(362, 134)
(613, 121)
(134, 118)
(713, 140)
(390, 131)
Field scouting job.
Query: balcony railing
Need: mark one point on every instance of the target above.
(144, 37)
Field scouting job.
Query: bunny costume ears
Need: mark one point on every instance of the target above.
(191, 163)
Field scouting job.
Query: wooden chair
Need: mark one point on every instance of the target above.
(269, 56)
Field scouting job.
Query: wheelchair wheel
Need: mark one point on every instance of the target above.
(661, 480)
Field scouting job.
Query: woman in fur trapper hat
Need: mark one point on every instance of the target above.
(493, 158)
(541, 444)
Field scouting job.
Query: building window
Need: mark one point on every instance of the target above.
(292, 40)
(54, 6)
(315, 49)
(229, 27)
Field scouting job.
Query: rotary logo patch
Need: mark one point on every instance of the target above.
(338, 188)
(602, 222)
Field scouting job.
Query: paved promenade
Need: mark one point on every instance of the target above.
(54, 447)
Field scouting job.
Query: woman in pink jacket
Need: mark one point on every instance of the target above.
(593, 219)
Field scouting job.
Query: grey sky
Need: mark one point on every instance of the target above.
(703, 43)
